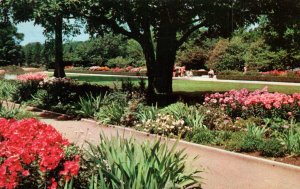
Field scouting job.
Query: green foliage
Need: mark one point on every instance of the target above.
(89, 105)
(13, 111)
(10, 48)
(113, 108)
(25, 90)
(272, 148)
(243, 142)
(200, 136)
(291, 139)
(125, 164)
(145, 113)
(7, 89)
(33, 54)
(256, 131)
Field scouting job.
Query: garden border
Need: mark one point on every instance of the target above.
(226, 152)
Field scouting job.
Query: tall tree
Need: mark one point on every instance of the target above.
(10, 48)
(162, 26)
(281, 29)
(49, 14)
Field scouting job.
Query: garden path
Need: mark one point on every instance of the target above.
(222, 169)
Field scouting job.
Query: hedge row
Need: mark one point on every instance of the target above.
(260, 78)
(104, 72)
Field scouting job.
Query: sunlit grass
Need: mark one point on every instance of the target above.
(190, 86)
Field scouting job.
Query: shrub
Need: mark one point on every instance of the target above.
(121, 163)
(272, 148)
(25, 90)
(7, 89)
(215, 118)
(13, 111)
(259, 103)
(89, 105)
(291, 140)
(32, 77)
(200, 136)
(32, 155)
(166, 125)
(243, 142)
(145, 113)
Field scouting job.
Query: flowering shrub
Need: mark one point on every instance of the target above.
(165, 125)
(275, 73)
(117, 69)
(98, 68)
(32, 77)
(32, 154)
(259, 103)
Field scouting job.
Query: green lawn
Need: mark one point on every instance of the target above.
(191, 86)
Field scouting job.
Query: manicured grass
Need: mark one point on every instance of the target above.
(190, 86)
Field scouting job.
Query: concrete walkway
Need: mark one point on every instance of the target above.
(222, 169)
(195, 78)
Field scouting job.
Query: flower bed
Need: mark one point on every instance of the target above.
(31, 155)
(275, 76)
(259, 103)
(32, 77)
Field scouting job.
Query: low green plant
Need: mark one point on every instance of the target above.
(111, 113)
(256, 131)
(89, 105)
(145, 113)
(195, 118)
(243, 142)
(125, 164)
(179, 110)
(200, 136)
(13, 111)
(7, 89)
(291, 139)
(221, 137)
(272, 148)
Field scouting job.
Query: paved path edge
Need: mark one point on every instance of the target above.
(205, 148)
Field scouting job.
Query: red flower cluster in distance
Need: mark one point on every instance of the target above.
(30, 151)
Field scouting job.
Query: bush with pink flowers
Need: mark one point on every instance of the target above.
(260, 103)
(33, 155)
(32, 77)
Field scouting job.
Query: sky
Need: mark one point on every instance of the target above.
(34, 33)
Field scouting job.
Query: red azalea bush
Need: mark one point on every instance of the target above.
(261, 103)
(32, 77)
(32, 155)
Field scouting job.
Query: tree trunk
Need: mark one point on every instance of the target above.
(149, 54)
(165, 58)
(59, 64)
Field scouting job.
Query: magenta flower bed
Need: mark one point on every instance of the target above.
(243, 103)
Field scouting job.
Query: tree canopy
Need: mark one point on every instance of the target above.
(161, 27)
(49, 14)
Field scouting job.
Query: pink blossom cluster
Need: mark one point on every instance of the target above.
(32, 77)
(116, 69)
(275, 72)
(28, 147)
(243, 100)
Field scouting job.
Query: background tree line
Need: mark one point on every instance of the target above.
(165, 31)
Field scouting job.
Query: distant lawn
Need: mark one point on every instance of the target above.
(190, 86)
